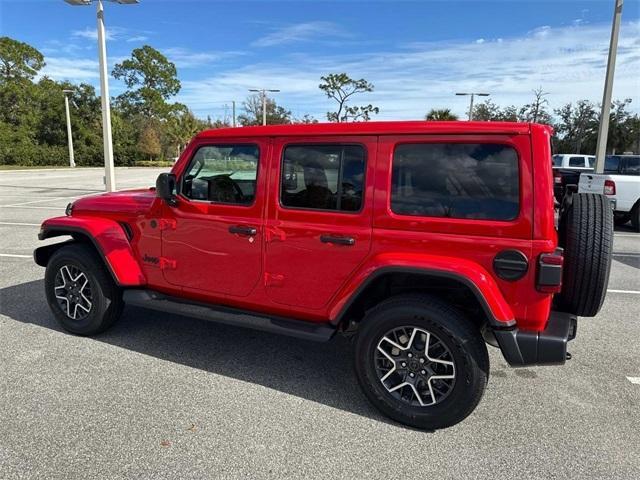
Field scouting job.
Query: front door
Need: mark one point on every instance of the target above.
(212, 238)
(319, 222)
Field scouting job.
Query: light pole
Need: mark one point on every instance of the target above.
(263, 96)
(603, 128)
(109, 174)
(72, 162)
(472, 95)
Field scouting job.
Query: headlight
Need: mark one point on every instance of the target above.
(69, 210)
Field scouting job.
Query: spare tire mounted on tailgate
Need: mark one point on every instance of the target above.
(586, 234)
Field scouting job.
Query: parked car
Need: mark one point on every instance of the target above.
(621, 184)
(567, 169)
(421, 241)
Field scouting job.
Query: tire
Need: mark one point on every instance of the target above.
(452, 337)
(635, 217)
(90, 308)
(586, 234)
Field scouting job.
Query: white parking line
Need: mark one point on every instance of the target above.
(635, 380)
(48, 199)
(32, 207)
(626, 235)
(21, 224)
(634, 292)
(13, 255)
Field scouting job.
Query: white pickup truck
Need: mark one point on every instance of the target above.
(621, 183)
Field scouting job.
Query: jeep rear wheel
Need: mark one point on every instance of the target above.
(81, 293)
(586, 234)
(421, 362)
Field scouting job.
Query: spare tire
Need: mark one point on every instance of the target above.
(586, 234)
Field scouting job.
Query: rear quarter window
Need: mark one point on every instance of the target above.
(456, 180)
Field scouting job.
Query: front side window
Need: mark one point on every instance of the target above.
(576, 161)
(474, 181)
(222, 174)
(591, 161)
(611, 163)
(323, 177)
(557, 160)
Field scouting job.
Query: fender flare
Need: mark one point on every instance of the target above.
(107, 236)
(469, 274)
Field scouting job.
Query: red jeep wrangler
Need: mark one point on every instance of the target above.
(422, 240)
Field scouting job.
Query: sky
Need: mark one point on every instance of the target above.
(417, 54)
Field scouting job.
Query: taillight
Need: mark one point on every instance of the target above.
(557, 178)
(550, 271)
(609, 187)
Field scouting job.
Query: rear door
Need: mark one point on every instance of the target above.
(318, 227)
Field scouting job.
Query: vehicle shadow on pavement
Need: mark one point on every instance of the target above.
(321, 372)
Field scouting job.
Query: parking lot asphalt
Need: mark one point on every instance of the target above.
(160, 396)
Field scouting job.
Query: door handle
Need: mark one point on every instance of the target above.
(347, 241)
(243, 230)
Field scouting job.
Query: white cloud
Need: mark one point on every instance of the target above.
(137, 38)
(184, 58)
(73, 69)
(92, 33)
(568, 62)
(301, 32)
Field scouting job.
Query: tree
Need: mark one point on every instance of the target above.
(441, 114)
(340, 87)
(252, 106)
(18, 60)
(305, 119)
(181, 126)
(151, 79)
(535, 112)
(486, 111)
(149, 142)
(576, 128)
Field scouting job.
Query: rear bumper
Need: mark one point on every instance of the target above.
(548, 347)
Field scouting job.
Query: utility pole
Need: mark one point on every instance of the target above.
(263, 97)
(109, 175)
(472, 95)
(233, 112)
(603, 129)
(72, 162)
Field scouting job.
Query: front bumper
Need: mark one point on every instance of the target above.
(548, 347)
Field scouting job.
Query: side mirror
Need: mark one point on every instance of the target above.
(166, 188)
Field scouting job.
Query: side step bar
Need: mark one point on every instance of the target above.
(230, 316)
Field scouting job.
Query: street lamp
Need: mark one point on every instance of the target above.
(109, 177)
(72, 162)
(263, 95)
(471, 101)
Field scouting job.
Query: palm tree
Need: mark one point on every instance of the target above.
(440, 114)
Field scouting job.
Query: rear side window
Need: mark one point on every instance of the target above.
(591, 161)
(632, 166)
(323, 177)
(576, 161)
(474, 181)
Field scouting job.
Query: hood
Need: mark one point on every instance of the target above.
(127, 202)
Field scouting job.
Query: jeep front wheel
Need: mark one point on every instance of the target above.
(81, 293)
(421, 362)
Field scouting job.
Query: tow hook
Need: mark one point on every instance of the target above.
(568, 357)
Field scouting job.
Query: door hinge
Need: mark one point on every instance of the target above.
(167, 264)
(167, 223)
